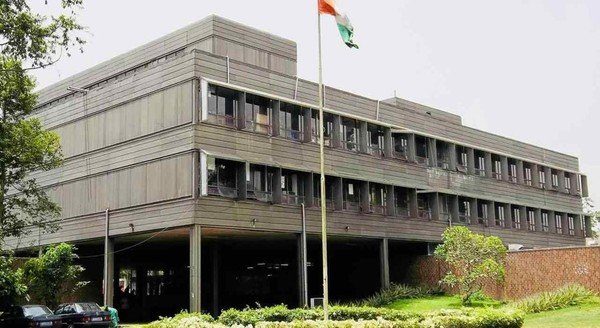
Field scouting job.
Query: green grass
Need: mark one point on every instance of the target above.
(433, 303)
(586, 315)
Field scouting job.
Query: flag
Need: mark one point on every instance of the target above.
(328, 7)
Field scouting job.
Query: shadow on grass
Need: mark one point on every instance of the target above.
(433, 303)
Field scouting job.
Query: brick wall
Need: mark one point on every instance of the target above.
(527, 272)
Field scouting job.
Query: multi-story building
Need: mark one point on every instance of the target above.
(200, 147)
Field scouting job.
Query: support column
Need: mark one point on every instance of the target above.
(454, 210)
(276, 186)
(584, 187)
(412, 147)
(241, 180)
(308, 124)
(535, 175)
(577, 225)
(471, 160)
(548, 172)
(309, 192)
(488, 164)
(365, 203)
(363, 142)
(432, 152)
(435, 206)
(551, 222)
(588, 226)
(491, 213)
(520, 172)
(215, 277)
(302, 274)
(538, 220)
(195, 257)
(413, 202)
(508, 215)
(452, 157)
(241, 111)
(473, 210)
(109, 284)
(565, 223)
(390, 200)
(574, 182)
(504, 165)
(561, 181)
(335, 132)
(384, 263)
(338, 194)
(388, 143)
(524, 215)
(275, 122)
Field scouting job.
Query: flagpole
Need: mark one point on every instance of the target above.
(323, 195)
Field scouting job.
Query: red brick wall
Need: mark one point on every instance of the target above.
(528, 272)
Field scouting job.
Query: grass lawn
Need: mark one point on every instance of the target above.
(433, 303)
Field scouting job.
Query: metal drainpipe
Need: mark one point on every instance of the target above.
(106, 249)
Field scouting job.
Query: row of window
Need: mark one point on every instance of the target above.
(232, 179)
(265, 116)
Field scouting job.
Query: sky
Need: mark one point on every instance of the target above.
(528, 70)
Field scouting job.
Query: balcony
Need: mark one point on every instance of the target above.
(464, 218)
(401, 153)
(351, 206)
(378, 209)
(262, 128)
(261, 196)
(222, 191)
(226, 120)
(421, 160)
(291, 199)
(462, 168)
(512, 178)
(443, 164)
(424, 214)
(350, 145)
(480, 172)
(292, 134)
(328, 203)
(375, 150)
(497, 175)
(402, 212)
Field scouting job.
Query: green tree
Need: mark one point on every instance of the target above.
(589, 209)
(53, 275)
(473, 259)
(12, 287)
(28, 41)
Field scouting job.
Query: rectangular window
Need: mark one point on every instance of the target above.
(567, 183)
(483, 213)
(258, 114)
(500, 217)
(401, 146)
(516, 218)
(513, 173)
(351, 195)
(527, 179)
(583, 227)
(291, 122)
(571, 222)
(375, 139)
(222, 105)
(292, 188)
(554, 180)
(558, 223)
(350, 134)
(542, 176)
(259, 183)
(497, 170)
(531, 220)
(545, 222)
(481, 166)
(221, 177)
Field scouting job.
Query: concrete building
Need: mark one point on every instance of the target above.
(200, 147)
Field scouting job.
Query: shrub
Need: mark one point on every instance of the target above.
(395, 292)
(558, 299)
(184, 319)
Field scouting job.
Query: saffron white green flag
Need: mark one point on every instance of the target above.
(328, 7)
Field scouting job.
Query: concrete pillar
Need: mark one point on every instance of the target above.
(275, 118)
(276, 185)
(241, 111)
(504, 165)
(471, 160)
(520, 172)
(565, 223)
(574, 182)
(384, 263)
(584, 186)
(390, 200)
(538, 220)
(302, 278)
(488, 165)
(535, 175)
(413, 204)
(473, 209)
(491, 213)
(307, 124)
(309, 192)
(215, 277)
(412, 147)
(338, 194)
(195, 262)
(435, 205)
(242, 186)
(336, 131)
(548, 172)
(365, 203)
(109, 284)
(524, 215)
(588, 226)
(577, 225)
(452, 157)
(388, 143)
(551, 222)
(454, 208)
(561, 181)
(508, 215)
(363, 141)
(432, 151)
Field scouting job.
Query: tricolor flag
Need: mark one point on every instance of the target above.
(346, 30)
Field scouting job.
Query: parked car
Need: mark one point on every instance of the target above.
(29, 316)
(83, 315)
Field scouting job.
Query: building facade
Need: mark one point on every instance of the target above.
(200, 147)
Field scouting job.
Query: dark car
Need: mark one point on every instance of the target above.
(83, 315)
(29, 316)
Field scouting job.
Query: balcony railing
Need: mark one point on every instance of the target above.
(462, 168)
(258, 127)
(512, 178)
(350, 145)
(516, 224)
(378, 209)
(262, 196)
(464, 218)
(227, 120)
(328, 203)
(497, 175)
(401, 153)
(483, 221)
(424, 214)
(421, 160)
(351, 206)
(402, 212)
(528, 182)
(222, 191)
(480, 172)
(290, 199)
(292, 134)
(443, 164)
(375, 150)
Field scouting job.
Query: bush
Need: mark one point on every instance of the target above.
(184, 319)
(558, 299)
(395, 292)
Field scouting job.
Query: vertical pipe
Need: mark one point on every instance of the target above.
(304, 260)
(107, 284)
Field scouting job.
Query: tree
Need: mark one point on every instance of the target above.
(53, 275)
(589, 209)
(11, 282)
(38, 41)
(473, 259)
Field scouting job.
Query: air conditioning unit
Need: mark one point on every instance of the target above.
(316, 302)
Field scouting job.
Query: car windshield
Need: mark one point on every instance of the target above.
(34, 311)
(88, 307)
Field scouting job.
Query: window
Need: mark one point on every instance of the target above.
(421, 151)
(351, 195)
(328, 191)
(350, 134)
(464, 211)
(571, 222)
(424, 206)
(480, 168)
(327, 127)
(462, 159)
(291, 122)
(375, 138)
(401, 146)
(259, 183)
(558, 223)
(516, 218)
(443, 156)
(542, 176)
(554, 180)
(528, 180)
(445, 207)
(483, 214)
(222, 177)
(583, 227)
(292, 187)
(222, 105)
(500, 217)
(512, 177)
(545, 226)
(402, 208)
(497, 173)
(258, 114)
(567, 183)
(531, 220)
(377, 201)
